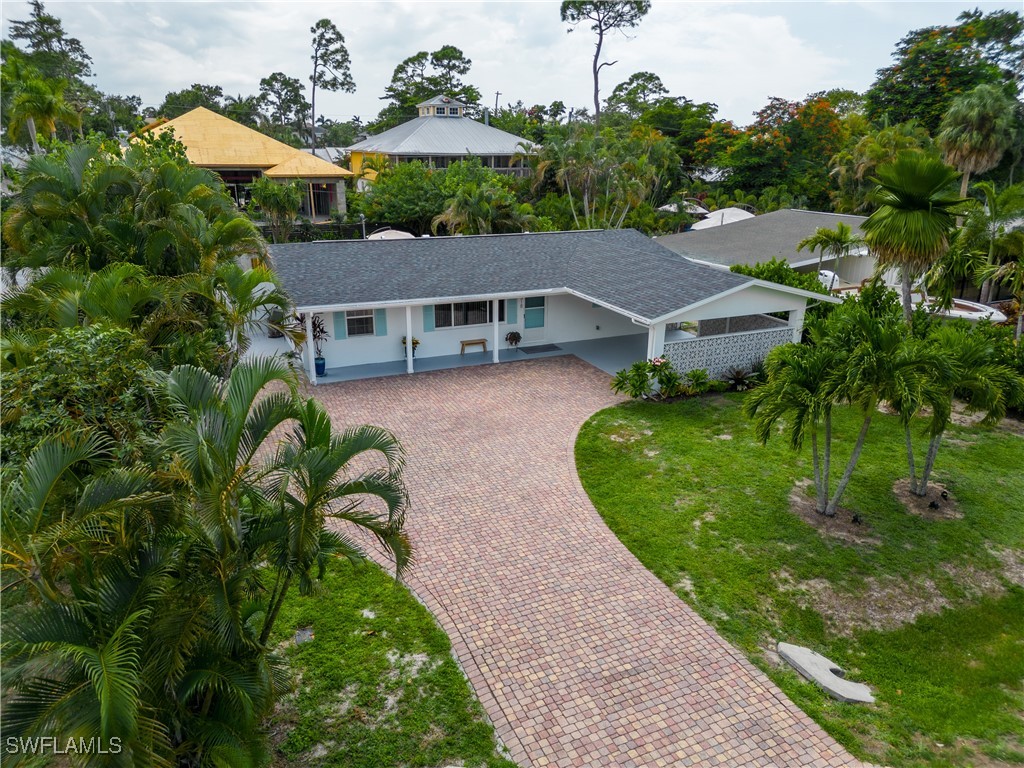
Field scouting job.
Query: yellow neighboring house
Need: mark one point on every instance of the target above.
(240, 155)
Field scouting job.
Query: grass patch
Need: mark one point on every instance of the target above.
(930, 613)
(377, 685)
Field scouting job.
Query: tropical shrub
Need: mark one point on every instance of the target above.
(95, 377)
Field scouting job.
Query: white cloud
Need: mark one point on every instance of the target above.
(735, 54)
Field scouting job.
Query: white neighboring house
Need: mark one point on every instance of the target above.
(607, 288)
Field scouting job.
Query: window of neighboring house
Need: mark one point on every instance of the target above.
(359, 322)
(466, 313)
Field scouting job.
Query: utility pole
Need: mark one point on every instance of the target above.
(496, 95)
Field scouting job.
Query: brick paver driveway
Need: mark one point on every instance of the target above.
(579, 655)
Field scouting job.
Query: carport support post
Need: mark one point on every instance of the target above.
(796, 322)
(310, 353)
(494, 350)
(408, 339)
(655, 340)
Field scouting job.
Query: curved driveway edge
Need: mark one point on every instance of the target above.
(580, 656)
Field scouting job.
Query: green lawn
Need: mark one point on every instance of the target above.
(929, 613)
(376, 687)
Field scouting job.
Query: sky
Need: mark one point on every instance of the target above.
(734, 54)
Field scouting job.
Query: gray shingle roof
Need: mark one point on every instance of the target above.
(621, 268)
(435, 136)
(763, 238)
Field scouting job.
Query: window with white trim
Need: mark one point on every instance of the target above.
(467, 313)
(359, 322)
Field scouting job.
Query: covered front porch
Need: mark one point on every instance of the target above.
(609, 355)
(371, 341)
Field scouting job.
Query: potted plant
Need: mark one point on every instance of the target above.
(415, 343)
(512, 338)
(319, 335)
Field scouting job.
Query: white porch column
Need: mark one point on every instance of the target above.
(796, 322)
(494, 351)
(310, 351)
(655, 340)
(408, 339)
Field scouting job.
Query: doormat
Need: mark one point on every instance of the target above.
(540, 348)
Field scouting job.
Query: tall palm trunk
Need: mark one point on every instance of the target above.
(30, 126)
(929, 462)
(908, 307)
(986, 287)
(910, 458)
(963, 193)
(833, 505)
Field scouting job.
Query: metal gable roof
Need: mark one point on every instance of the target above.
(434, 136)
(618, 268)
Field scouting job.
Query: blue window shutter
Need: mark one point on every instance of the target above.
(380, 322)
(340, 326)
(428, 318)
(511, 305)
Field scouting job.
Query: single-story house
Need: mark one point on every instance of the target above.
(240, 155)
(442, 134)
(774, 235)
(604, 290)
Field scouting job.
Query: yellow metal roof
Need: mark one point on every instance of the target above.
(305, 166)
(215, 141)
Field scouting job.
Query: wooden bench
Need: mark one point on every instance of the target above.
(473, 343)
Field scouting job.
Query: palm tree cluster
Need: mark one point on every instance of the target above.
(863, 355)
(151, 591)
(605, 177)
(143, 241)
(162, 496)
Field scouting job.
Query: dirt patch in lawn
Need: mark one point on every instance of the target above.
(886, 602)
(932, 506)
(1013, 564)
(963, 417)
(846, 525)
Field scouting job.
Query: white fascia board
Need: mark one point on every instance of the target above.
(752, 283)
(429, 301)
(715, 264)
(611, 307)
(702, 302)
(798, 291)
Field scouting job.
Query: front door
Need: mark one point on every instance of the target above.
(533, 319)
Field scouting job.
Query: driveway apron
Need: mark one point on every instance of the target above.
(580, 656)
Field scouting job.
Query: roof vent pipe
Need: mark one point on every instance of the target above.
(487, 116)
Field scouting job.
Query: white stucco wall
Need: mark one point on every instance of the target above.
(566, 318)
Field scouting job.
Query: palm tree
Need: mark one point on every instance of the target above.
(911, 227)
(242, 301)
(153, 594)
(837, 243)
(279, 203)
(39, 105)
(884, 364)
(960, 365)
(1011, 274)
(976, 131)
(986, 225)
(799, 392)
(480, 209)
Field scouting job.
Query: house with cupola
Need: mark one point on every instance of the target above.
(439, 136)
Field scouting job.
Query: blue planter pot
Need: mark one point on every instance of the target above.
(321, 365)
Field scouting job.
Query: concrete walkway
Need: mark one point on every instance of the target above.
(579, 655)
